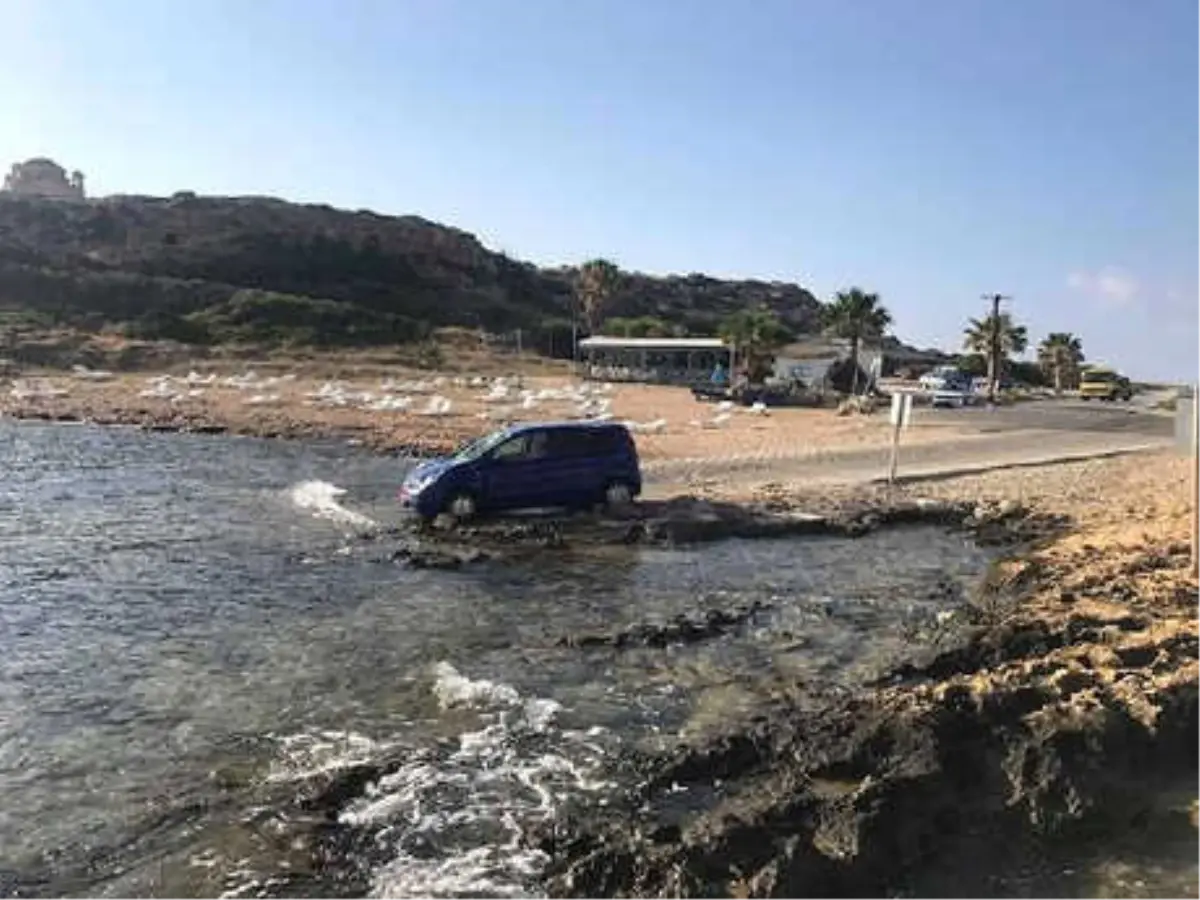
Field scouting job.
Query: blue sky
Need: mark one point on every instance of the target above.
(929, 150)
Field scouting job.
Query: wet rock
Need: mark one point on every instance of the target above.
(847, 801)
(682, 631)
(688, 520)
(1037, 725)
(1009, 523)
(424, 556)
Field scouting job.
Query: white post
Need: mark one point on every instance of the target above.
(574, 348)
(901, 410)
(895, 459)
(1196, 479)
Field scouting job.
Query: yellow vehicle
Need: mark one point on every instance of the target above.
(1104, 384)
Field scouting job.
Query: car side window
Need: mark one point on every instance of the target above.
(539, 444)
(522, 447)
(565, 444)
(579, 443)
(512, 450)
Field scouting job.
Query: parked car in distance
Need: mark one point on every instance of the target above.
(554, 464)
(937, 378)
(948, 386)
(1104, 384)
(980, 384)
(953, 394)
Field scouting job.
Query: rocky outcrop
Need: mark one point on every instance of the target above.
(1056, 722)
(228, 269)
(684, 629)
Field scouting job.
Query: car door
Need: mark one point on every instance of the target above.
(513, 478)
(570, 475)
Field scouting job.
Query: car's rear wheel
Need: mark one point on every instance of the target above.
(618, 495)
(461, 507)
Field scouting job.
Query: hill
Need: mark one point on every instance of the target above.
(206, 270)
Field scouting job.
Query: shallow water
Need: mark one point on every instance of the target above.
(192, 624)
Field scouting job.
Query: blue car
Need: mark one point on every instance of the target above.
(565, 464)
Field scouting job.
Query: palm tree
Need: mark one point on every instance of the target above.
(1060, 354)
(856, 316)
(754, 335)
(595, 284)
(1011, 339)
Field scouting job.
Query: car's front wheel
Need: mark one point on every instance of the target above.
(461, 507)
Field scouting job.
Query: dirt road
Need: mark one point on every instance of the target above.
(1020, 435)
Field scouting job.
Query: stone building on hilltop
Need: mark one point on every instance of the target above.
(41, 177)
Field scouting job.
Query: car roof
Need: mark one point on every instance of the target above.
(586, 424)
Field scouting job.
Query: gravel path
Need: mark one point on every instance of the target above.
(971, 453)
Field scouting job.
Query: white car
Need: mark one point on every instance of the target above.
(952, 396)
(939, 377)
(948, 386)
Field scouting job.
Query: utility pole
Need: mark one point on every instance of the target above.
(994, 344)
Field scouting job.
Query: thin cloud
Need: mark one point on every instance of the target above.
(1109, 286)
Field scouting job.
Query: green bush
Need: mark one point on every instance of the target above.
(273, 319)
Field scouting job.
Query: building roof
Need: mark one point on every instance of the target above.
(619, 343)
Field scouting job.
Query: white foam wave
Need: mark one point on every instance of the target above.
(320, 498)
(455, 690)
(310, 754)
(454, 816)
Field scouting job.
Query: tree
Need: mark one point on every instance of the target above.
(754, 335)
(595, 284)
(856, 316)
(1011, 339)
(1059, 355)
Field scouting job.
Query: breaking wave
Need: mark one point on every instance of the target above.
(451, 817)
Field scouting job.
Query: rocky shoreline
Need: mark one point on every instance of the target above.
(1072, 698)
(1072, 701)
(266, 428)
(687, 520)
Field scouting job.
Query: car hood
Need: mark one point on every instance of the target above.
(431, 468)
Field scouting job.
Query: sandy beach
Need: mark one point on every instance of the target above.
(420, 411)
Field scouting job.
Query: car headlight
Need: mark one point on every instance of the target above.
(416, 485)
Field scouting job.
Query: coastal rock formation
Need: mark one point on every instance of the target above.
(1062, 719)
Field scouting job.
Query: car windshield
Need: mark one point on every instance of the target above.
(480, 446)
(1098, 376)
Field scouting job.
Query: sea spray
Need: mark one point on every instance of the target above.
(320, 498)
(454, 816)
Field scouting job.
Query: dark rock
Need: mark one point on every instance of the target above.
(684, 630)
(849, 800)
(425, 556)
